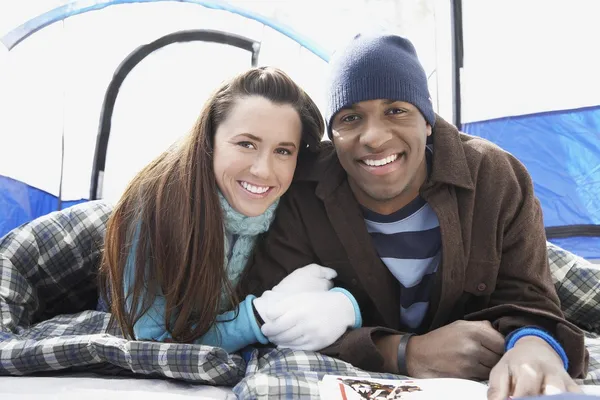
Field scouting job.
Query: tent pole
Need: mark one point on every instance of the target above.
(457, 59)
(127, 65)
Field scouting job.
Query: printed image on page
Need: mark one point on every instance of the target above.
(358, 388)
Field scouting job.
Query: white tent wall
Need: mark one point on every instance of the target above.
(159, 102)
(58, 76)
(172, 118)
(31, 114)
(524, 57)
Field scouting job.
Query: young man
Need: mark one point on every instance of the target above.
(437, 234)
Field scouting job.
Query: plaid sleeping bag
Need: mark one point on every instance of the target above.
(48, 322)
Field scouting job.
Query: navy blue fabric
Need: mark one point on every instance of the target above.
(375, 67)
(419, 293)
(402, 213)
(413, 245)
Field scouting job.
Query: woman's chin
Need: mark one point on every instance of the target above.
(251, 208)
(252, 211)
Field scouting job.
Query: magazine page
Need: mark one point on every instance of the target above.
(360, 388)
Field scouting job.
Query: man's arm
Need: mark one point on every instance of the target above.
(524, 294)
(369, 348)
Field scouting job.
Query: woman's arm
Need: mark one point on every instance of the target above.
(233, 330)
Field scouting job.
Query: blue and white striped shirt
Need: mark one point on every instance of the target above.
(409, 243)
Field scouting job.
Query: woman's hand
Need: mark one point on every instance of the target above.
(310, 278)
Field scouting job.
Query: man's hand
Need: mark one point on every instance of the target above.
(310, 278)
(530, 368)
(463, 349)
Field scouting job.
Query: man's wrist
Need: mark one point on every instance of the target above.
(533, 334)
(387, 347)
(401, 354)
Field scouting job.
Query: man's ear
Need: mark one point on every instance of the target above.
(429, 129)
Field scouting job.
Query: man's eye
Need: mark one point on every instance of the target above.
(396, 111)
(350, 118)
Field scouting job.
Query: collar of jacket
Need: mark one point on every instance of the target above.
(449, 163)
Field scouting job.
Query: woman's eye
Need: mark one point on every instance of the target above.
(247, 145)
(283, 152)
(350, 118)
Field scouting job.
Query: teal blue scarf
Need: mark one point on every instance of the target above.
(246, 229)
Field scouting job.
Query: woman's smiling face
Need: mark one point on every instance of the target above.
(255, 153)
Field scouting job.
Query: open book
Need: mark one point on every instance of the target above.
(358, 388)
(334, 387)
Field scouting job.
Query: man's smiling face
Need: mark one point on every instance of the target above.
(381, 145)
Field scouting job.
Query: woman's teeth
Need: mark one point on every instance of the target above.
(254, 189)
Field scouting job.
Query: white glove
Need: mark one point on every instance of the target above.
(311, 321)
(267, 301)
(310, 278)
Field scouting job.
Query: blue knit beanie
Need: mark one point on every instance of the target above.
(377, 67)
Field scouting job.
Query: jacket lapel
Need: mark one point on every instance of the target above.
(379, 284)
(450, 170)
(450, 285)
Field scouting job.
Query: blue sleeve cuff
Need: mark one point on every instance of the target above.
(357, 314)
(512, 338)
(253, 322)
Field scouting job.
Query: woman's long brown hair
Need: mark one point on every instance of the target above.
(172, 208)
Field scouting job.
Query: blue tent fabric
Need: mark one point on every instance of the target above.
(561, 150)
(586, 247)
(21, 203)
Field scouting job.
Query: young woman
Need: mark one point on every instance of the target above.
(179, 239)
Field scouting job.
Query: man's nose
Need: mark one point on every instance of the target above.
(376, 134)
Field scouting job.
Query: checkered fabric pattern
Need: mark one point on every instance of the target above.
(48, 321)
(290, 374)
(49, 265)
(47, 296)
(577, 282)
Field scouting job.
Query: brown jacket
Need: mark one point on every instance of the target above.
(494, 262)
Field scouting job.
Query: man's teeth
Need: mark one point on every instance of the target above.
(255, 189)
(384, 161)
